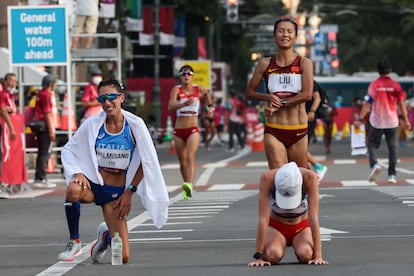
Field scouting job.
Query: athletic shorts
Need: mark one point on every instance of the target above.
(106, 193)
(328, 122)
(184, 133)
(210, 120)
(288, 135)
(289, 231)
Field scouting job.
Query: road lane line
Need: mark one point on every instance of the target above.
(61, 268)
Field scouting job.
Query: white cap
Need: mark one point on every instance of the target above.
(288, 186)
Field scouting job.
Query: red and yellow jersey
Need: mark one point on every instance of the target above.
(283, 81)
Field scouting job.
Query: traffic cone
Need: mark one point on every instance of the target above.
(172, 148)
(319, 129)
(50, 165)
(68, 115)
(345, 130)
(168, 134)
(258, 143)
(55, 113)
(334, 129)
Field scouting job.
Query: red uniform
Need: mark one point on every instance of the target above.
(283, 81)
(43, 104)
(182, 97)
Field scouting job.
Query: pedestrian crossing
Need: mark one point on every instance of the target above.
(34, 192)
(186, 216)
(203, 183)
(264, 164)
(405, 195)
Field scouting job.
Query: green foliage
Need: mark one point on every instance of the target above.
(145, 111)
(381, 29)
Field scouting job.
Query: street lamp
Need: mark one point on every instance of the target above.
(156, 91)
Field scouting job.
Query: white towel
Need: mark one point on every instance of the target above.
(78, 156)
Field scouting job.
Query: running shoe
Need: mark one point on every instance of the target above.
(3, 192)
(98, 249)
(392, 179)
(321, 171)
(71, 250)
(43, 184)
(187, 190)
(375, 170)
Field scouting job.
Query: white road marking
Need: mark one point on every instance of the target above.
(220, 187)
(355, 183)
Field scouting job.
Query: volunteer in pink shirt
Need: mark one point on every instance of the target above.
(383, 98)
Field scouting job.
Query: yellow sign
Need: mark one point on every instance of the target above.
(202, 71)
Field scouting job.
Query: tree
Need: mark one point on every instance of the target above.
(380, 29)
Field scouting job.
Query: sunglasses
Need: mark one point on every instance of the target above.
(186, 73)
(109, 97)
(286, 18)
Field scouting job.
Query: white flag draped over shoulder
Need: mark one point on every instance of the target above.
(358, 140)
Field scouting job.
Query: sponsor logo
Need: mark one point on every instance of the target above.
(301, 133)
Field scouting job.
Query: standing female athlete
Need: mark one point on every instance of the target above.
(185, 100)
(289, 83)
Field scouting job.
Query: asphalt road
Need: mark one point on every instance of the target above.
(367, 228)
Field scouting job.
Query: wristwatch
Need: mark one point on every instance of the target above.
(132, 188)
(258, 255)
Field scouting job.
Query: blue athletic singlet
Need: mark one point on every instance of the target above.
(114, 151)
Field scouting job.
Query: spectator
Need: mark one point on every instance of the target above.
(208, 124)
(356, 110)
(7, 129)
(219, 120)
(410, 111)
(235, 106)
(243, 121)
(311, 108)
(8, 105)
(384, 96)
(403, 130)
(46, 135)
(328, 123)
(90, 95)
(86, 21)
(338, 101)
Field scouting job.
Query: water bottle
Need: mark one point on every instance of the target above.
(116, 249)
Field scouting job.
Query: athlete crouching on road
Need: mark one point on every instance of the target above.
(292, 219)
(110, 157)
